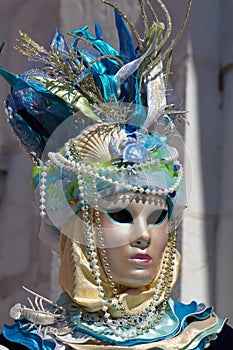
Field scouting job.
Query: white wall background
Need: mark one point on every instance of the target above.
(202, 77)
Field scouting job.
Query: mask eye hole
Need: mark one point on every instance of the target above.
(122, 216)
(157, 217)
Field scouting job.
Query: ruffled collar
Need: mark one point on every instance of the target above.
(182, 326)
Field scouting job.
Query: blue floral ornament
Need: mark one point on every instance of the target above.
(117, 149)
(136, 147)
(135, 153)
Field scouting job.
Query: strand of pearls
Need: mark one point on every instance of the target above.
(147, 191)
(70, 164)
(43, 191)
(92, 251)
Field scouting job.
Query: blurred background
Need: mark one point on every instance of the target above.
(202, 80)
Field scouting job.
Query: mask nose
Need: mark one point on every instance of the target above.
(143, 233)
(140, 243)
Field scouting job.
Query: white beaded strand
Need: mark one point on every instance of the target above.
(42, 187)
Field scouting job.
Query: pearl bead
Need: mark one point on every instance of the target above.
(104, 308)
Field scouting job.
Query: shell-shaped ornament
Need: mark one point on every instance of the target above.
(95, 143)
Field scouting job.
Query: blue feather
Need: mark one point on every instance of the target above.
(35, 111)
(127, 51)
(31, 140)
(58, 42)
(19, 82)
(98, 31)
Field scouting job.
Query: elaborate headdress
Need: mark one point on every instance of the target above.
(112, 109)
(98, 126)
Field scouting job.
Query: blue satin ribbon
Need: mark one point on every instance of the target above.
(107, 82)
(103, 47)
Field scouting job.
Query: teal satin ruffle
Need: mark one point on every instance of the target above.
(175, 319)
(30, 339)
